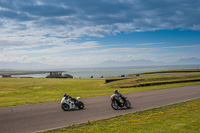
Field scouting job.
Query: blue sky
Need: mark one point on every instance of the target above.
(84, 32)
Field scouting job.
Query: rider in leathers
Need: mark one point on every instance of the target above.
(66, 96)
(69, 97)
(116, 92)
(120, 95)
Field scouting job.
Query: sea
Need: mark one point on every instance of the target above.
(107, 72)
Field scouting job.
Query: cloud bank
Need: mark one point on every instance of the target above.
(39, 26)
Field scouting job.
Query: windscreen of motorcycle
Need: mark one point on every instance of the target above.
(62, 100)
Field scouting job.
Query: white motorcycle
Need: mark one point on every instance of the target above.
(71, 103)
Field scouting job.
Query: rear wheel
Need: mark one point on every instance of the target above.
(128, 104)
(114, 105)
(65, 106)
(80, 105)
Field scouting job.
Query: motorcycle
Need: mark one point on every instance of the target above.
(119, 101)
(71, 103)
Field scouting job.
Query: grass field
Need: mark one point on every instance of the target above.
(145, 81)
(169, 72)
(178, 118)
(19, 91)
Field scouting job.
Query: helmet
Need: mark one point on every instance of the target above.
(116, 92)
(65, 94)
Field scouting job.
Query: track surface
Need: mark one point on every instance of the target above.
(44, 116)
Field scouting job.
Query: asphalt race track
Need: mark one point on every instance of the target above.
(45, 116)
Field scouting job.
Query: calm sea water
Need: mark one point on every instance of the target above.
(112, 71)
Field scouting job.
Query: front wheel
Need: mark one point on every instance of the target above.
(80, 105)
(114, 105)
(65, 106)
(128, 104)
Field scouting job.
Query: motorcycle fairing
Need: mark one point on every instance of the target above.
(69, 102)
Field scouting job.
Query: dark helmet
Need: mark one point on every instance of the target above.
(65, 94)
(116, 92)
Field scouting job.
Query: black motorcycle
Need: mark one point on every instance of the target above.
(119, 101)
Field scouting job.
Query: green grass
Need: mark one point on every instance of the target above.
(20, 91)
(168, 72)
(177, 118)
(172, 73)
(138, 81)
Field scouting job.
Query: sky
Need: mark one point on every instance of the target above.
(85, 32)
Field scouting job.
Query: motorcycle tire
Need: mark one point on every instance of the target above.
(80, 105)
(114, 105)
(65, 106)
(128, 104)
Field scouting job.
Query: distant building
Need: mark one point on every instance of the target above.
(58, 74)
(6, 76)
(123, 75)
(68, 76)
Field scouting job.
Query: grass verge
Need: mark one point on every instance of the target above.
(179, 118)
(183, 71)
(18, 91)
(153, 80)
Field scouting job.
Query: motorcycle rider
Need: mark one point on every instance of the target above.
(119, 94)
(67, 96)
(68, 102)
(116, 92)
(118, 100)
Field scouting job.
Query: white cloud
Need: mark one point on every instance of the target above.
(145, 44)
(76, 19)
(53, 49)
(195, 27)
(185, 46)
(36, 29)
